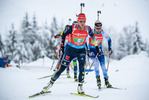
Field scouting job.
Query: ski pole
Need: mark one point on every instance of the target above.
(55, 57)
(108, 63)
(71, 66)
(59, 61)
(92, 64)
(88, 63)
(52, 63)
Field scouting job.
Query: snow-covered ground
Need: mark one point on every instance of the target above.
(131, 73)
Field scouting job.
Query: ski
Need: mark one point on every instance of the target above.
(118, 88)
(114, 88)
(45, 77)
(48, 76)
(85, 95)
(38, 94)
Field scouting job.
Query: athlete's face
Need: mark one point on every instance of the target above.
(81, 23)
(98, 30)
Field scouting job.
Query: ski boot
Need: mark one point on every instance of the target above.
(68, 76)
(108, 85)
(98, 81)
(49, 85)
(75, 77)
(80, 88)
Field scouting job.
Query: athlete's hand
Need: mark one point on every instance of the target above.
(98, 50)
(110, 51)
(89, 53)
(56, 36)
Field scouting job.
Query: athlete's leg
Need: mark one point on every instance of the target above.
(67, 57)
(81, 60)
(75, 68)
(102, 64)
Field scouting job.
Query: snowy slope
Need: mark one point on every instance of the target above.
(131, 73)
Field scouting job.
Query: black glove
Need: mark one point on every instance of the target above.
(56, 36)
(98, 50)
(89, 53)
(110, 51)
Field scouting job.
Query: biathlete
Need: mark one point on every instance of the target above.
(67, 39)
(99, 34)
(75, 48)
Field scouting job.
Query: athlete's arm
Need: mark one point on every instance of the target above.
(94, 40)
(58, 35)
(108, 39)
(61, 33)
(67, 31)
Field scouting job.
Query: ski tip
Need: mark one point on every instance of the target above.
(97, 96)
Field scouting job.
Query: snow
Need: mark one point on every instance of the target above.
(45, 62)
(131, 73)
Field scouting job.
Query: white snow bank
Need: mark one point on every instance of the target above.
(41, 65)
(131, 73)
(42, 62)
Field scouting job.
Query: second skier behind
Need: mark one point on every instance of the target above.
(99, 34)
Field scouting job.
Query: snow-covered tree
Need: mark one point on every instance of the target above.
(11, 42)
(130, 41)
(128, 32)
(52, 41)
(138, 44)
(121, 47)
(34, 22)
(29, 31)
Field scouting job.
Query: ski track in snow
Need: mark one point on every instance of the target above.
(131, 73)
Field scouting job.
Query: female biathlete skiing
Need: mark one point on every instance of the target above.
(67, 40)
(75, 48)
(99, 33)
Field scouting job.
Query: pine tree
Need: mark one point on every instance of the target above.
(52, 42)
(34, 22)
(46, 49)
(11, 42)
(29, 33)
(128, 32)
(121, 47)
(124, 43)
(130, 41)
(36, 50)
(138, 44)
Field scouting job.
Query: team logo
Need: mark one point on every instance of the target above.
(82, 58)
(67, 57)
